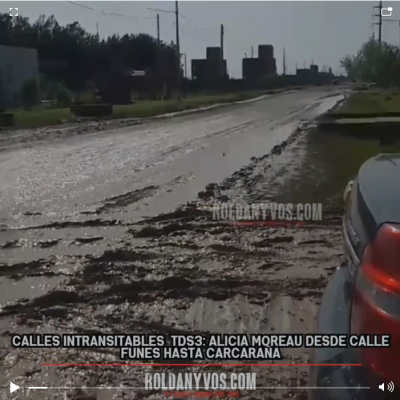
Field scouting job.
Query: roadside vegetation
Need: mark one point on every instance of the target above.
(372, 102)
(335, 151)
(374, 63)
(376, 68)
(74, 70)
(70, 56)
(47, 115)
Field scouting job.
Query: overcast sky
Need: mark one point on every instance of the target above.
(320, 31)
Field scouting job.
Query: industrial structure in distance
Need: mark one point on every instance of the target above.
(212, 70)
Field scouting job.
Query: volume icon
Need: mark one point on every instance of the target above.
(390, 387)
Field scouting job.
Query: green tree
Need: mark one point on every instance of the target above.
(71, 55)
(374, 62)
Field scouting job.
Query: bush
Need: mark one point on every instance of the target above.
(30, 93)
(92, 110)
(63, 96)
(7, 120)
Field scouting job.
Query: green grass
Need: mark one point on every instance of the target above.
(373, 101)
(43, 116)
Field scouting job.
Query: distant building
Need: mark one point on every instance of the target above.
(199, 69)
(304, 72)
(211, 69)
(255, 69)
(17, 65)
(213, 53)
(313, 76)
(266, 55)
(251, 69)
(314, 68)
(266, 51)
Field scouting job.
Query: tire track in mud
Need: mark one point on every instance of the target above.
(126, 199)
(188, 278)
(179, 272)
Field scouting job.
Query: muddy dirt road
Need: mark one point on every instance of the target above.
(78, 256)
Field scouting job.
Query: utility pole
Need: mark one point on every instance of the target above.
(185, 58)
(158, 29)
(158, 61)
(97, 28)
(380, 22)
(178, 47)
(222, 33)
(284, 61)
(252, 51)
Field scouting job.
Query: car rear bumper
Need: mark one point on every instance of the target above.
(334, 318)
(347, 381)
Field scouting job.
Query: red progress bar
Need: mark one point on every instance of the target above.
(201, 365)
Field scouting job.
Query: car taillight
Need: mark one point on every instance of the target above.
(376, 302)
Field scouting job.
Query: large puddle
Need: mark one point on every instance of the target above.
(328, 163)
(218, 158)
(226, 155)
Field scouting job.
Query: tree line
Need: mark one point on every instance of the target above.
(374, 62)
(71, 55)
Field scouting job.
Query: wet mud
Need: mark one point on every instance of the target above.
(15, 138)
(176, 272)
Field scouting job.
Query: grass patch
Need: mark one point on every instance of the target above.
(371, 102)
(43, 116)
(40, 116)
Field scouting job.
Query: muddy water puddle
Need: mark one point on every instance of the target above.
(180, 272)
(27, 288)
(329, 162)
(223, 155)
(312, 167)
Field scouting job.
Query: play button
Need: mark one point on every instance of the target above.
(13, 387)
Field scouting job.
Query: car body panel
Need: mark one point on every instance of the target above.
(366, 208)
(333, 318)
(333, 313)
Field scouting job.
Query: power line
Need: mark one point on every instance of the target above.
(165, 11)
(112, 14)
(159, 10)
(107, 13)
(181, 15)
(116, 15)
